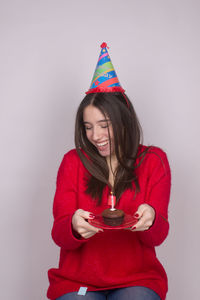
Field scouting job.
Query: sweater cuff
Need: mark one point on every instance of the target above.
(63, 234)
(75, 236)
(157, 233)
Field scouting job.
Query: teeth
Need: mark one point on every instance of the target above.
(102, 144)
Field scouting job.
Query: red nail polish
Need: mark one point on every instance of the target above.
(91, 216)
(133, 228)
(136, 215)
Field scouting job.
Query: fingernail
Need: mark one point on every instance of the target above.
(136, 215)
(133, 228)
(91, 216)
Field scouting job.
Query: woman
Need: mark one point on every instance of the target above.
(98, 263)
(108, 157)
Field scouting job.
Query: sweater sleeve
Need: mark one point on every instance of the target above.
(65, 203)
(158, 197)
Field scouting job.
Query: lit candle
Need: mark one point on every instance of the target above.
(112, 201)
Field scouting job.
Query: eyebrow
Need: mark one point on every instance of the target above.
(100, 121)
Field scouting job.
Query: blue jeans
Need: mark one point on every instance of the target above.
(128, 293)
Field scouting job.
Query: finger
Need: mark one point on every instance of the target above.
(83, 225)
(92, 228)
(138, 214)
(129, 228)
(85, 214)
(140, 225)
(143, 224)
(88, 235)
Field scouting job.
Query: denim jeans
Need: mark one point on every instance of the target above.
(128, 293)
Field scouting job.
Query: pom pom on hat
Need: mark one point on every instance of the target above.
(105, 78)
(104, 45)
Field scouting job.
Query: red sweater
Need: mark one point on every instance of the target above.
(113, 258)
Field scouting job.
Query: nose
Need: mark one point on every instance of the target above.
(96, 133)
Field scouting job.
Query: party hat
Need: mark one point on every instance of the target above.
(105, 79)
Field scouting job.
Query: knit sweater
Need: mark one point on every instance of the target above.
(113, 258)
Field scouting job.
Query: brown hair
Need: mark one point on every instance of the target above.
(127, 135)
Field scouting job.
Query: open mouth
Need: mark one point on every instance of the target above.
(102, 146)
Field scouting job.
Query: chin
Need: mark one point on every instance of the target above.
(104, 154)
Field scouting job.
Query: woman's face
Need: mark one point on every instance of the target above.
(97, 129)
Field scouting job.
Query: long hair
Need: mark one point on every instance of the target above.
(127, 135)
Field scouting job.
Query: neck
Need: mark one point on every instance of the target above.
(112, 162)
(112, 166)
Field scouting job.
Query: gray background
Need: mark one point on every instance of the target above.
(48, 53)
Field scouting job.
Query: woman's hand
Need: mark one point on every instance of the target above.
(81, 226)
(146, 216)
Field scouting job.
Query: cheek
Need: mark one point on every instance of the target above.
(88, 135)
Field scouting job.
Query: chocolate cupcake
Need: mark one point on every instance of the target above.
(113, 217)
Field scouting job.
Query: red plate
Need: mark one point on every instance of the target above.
(129, 221)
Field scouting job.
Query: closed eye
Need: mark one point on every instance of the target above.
(88, 127)
(104, 123)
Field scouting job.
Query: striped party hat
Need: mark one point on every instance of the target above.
(105, 79)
